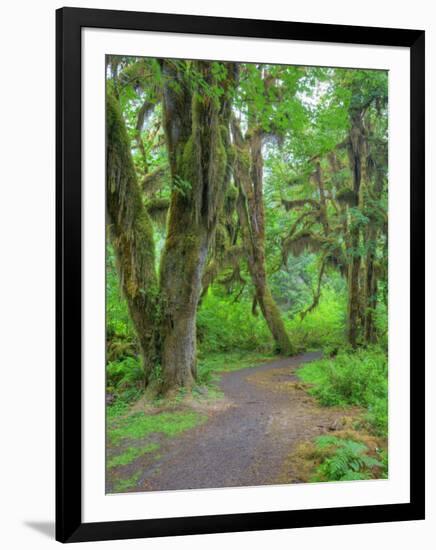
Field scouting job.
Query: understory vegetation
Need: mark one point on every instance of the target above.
(341, 459)
(246, 220)
(353, 378)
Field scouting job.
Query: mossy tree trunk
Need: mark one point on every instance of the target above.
(196, 127)
(370, 291)
(355, 153)
(322, 199)
(248, 175)
(131, 234)
(373, 233)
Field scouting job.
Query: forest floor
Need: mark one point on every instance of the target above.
(246, 437)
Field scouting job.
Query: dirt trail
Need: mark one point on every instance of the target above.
(247, 442)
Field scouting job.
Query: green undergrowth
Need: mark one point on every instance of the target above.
(225, 325)
(139, 425)
(346, 460)
(129, 439)
(124, 379)
(122, 485)
(321, 328)
(131, 454)
(353, 378)
(118, 408)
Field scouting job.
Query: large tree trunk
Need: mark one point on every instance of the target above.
(196, 128)
(248, 174)
(182, 267)
(131, 234)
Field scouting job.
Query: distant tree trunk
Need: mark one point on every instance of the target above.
(355, 145)
(322, 199)
(370, 296)
(196, 128)
(354, 292)
(131, 234)
(371, 283)
(248, 174)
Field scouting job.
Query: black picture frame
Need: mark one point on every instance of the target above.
(69, 525)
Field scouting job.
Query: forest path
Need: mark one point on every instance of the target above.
(246, 443)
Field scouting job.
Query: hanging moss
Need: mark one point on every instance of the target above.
(290, 205)
(153, 181)
(157, 209)
(217, 184)
(303, 241)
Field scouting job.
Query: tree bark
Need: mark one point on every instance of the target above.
(181, 271)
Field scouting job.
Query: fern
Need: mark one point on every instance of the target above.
(347, 461)
(183, 186)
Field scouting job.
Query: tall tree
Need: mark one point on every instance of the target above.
(195, 97)
(342, 212)
(355, 145)
(196, 123)
(248, 175)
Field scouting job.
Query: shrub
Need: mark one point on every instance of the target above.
(226, 325)
(124, 381)
(126, 372)
(352, 378)
(321, 328)
(118, 322)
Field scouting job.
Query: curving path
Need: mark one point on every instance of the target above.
(247, 443)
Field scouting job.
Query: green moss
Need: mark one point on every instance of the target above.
(123, 484)
(187, 166)
(232, 193)
(220, 161)
(140, 425)
(243, 158)
(131, 454)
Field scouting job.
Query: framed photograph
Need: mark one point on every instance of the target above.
(240, 275)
